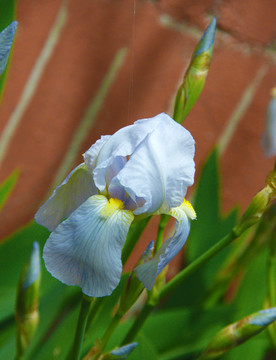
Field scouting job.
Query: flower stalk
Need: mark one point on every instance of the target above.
(164, 219)
(75, 352)
(271, 270)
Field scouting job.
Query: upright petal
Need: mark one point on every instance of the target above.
(67, 197)
(161, 167)
(121, 144)
(85, 249)
(148, 272)
(90, 156)
(6, 39)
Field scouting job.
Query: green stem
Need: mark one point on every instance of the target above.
(139, 322)
(271, 281)
(160, 233)
(133, 236)
(95, 306)
(109, 331)
(80, 331)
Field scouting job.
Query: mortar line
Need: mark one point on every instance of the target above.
(240, 109)
(221, 35)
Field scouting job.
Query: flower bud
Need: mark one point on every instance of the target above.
(195, 76)
(269, 136)
(26, 311)
(120, 353)
(258, 204)
(239, 332)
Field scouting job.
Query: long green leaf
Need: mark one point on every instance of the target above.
(6, 187)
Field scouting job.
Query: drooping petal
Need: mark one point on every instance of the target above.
(85, 249)
(148, 252)
(67, 197)
(6, 40)
(148, 271)
(161, 167)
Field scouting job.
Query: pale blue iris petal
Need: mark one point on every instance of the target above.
(123, 351)
(115, 191)
(117, 165)
(207, 40)
(90, 156)
(161, 168)
(67, 197)
(148, 252)
(148, 271)
(176, 149)
(85, 249)
(6, 40)
(122, 143)
(142, 177)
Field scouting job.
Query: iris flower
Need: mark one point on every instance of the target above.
(141, 170)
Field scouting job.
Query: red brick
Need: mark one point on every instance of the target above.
(249, 20)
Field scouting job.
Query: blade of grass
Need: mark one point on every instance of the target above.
(241, 108)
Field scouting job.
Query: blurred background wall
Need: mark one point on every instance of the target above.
(159, 37)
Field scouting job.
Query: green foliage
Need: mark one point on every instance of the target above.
(58, 303)
(6, 187)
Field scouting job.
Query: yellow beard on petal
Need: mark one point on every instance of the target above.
(112, 206)
(188, 208)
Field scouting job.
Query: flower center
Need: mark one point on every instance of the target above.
(115, 204)
(112, 206)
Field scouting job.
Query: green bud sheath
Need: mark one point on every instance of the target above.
(258, 204)
(26, 310)
(239, 332)
(132, 290)
(195, 76)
